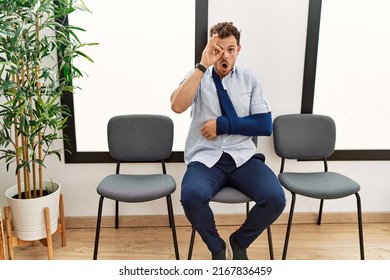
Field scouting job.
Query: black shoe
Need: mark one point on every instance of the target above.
(237, 252)
(221, 255)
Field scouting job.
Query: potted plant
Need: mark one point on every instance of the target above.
(31, 115)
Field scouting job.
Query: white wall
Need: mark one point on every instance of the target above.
(273, 44)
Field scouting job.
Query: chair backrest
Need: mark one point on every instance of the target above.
(140, 137)
(304, 136)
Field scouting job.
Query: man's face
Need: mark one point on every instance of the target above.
(230, 52)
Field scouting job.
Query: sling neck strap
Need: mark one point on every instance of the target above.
(227, 107)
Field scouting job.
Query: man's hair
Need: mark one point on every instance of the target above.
(225, 29)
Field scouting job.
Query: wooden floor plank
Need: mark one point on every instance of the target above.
(307, 242)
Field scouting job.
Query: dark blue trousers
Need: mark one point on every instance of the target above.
(254, 179)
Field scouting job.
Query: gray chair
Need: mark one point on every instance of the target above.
(231, 195)
(308, 137)
(138, 138)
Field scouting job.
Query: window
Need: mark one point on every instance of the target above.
(346, 74)
(143, 54)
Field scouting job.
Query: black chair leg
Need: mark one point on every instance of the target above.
(192, 241)
(320, 212)
(173, 227)
(290, 218)
(360, 224)
(270, 245)
(116, 214)
(98, 223)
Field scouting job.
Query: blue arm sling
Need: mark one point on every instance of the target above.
(230, 123)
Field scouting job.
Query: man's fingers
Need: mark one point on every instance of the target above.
(214, 48)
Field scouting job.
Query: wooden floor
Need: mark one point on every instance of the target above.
(307, 242)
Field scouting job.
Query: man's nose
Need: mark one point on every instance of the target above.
(225, 55)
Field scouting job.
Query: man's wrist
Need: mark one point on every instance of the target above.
(201, 67)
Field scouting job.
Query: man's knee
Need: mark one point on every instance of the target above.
(193, 199)
(278, 202)
(275, 202)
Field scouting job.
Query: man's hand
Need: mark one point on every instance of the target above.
(209, 129)
(211, 53)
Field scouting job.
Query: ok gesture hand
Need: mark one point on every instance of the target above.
(212, 52)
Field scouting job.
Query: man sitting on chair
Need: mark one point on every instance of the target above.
(228, 108)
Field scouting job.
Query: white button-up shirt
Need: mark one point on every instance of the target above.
(246, 94)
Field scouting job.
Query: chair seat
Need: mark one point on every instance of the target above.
(230, 195)
(136, 188)
(321, 185)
